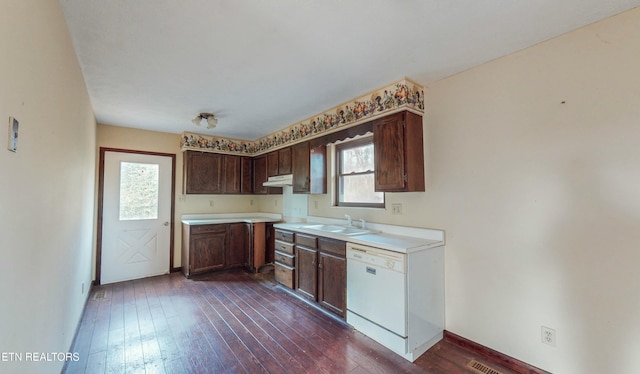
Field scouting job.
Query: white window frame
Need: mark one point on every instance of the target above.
(339, 175)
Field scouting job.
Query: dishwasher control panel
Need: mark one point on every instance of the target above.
(376, 258)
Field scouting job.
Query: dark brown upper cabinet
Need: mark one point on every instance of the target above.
(272, 164)
(246, 175)
(260, 175)
(284, 161)
(279, 162)
(231, 173)
(399, 154)
(309, 168)
(203, 173)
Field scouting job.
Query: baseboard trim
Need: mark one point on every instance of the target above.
(175, 270)
(75, 335)
(493, 355)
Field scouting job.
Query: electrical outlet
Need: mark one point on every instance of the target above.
(396, 208)
(211, 203)
(549, 336)
(315, 204)
(251, 202)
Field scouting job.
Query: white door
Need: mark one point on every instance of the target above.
(136, 216)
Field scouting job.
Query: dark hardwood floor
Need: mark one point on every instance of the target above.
(231, 322)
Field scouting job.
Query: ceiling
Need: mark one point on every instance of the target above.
(263, 65)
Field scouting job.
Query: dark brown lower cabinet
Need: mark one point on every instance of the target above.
(238, 241)
(332, 286)
(213, 247)
(321, 272)
(283, 257)
(307, 271)
(203, 248)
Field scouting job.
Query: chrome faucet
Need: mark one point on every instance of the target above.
(348, 217)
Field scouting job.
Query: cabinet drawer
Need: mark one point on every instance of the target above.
(284, 275)
(307, 240)
(284, 247)
(284, 258)
(284, 235)
(206, 229)
(337, 247)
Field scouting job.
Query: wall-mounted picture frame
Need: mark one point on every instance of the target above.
(13, 134)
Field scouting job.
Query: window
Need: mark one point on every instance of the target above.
(138, 191)
(355, 183)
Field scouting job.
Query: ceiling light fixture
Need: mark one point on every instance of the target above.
(212, 121)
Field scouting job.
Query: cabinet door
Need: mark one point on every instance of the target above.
(238, 243)
(301, 168)
(307, 271)
(259, 175)
(399, 153)
(207, 251)
(389, 145)
(309, 168)
(246, 175)
(272, 164)
(231, 172)
(270, 242)
(202, 173)
(318, 172)
(284, 161)
(332, 282)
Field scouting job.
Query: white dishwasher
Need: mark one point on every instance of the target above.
(396, 299)
(376, 287)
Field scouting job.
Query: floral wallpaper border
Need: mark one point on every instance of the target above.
(398, 95)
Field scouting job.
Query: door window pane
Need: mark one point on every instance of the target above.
(138, 191)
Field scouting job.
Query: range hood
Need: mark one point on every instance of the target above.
(279, 181)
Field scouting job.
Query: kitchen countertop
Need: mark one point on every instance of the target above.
(383, 240)
(208, 219)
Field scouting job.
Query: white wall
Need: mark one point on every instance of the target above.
(541, 199)
(46, 188)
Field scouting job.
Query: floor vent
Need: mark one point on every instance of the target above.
(481, 368)
(100, 294)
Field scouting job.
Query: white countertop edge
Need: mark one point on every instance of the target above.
(383, 240)
(213, 218)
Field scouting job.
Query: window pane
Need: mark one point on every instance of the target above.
(357, 159)
(138, 191)
(360, 189)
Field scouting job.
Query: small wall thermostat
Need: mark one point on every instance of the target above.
(13, 134)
